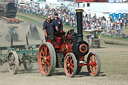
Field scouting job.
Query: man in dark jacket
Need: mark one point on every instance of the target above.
(49, 26)
(58, 22)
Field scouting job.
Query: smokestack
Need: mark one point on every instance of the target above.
(79, 15)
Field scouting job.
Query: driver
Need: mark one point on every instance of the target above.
(49, 26)
(58, 22)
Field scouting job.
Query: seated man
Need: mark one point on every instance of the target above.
(49, 26)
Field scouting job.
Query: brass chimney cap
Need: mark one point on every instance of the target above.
(79, 10)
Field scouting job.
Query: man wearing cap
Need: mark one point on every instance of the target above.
(58, 22)
(49, 26)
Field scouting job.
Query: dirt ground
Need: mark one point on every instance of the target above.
(114, 67)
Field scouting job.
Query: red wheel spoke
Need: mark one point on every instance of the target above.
(48, 63)
(71, 61)
(68, 61)
(91, 60)
(42, 53)
(42, 56)
(95, 64)
(72, 67)
(91, 69)
(95, 67)
(46, 50)
(48, 58)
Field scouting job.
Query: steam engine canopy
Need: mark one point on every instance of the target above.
(80, 48)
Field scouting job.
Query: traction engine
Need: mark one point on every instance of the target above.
(68, 50)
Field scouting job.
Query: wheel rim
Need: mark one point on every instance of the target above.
(70, 65)
(54, 56)
(46, 59)
(13, 62)
(93, 64)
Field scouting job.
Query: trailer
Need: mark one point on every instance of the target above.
(15, 55)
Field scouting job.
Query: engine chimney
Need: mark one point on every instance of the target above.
(79, 15)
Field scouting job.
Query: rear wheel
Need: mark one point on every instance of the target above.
(70, 65)
(93, 64)
(46, 59)
(54, 56)
(13, 62)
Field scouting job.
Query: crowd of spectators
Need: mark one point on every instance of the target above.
(109, 27)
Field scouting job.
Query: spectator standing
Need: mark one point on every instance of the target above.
(118, 30)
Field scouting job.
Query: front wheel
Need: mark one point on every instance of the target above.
(93, 64)
(70, 65)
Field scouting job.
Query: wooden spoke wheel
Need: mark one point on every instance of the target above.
(13, 62)
(93, 64)
(70, 65)
(46, 59)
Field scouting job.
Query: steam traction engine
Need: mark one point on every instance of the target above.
(68, 51)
